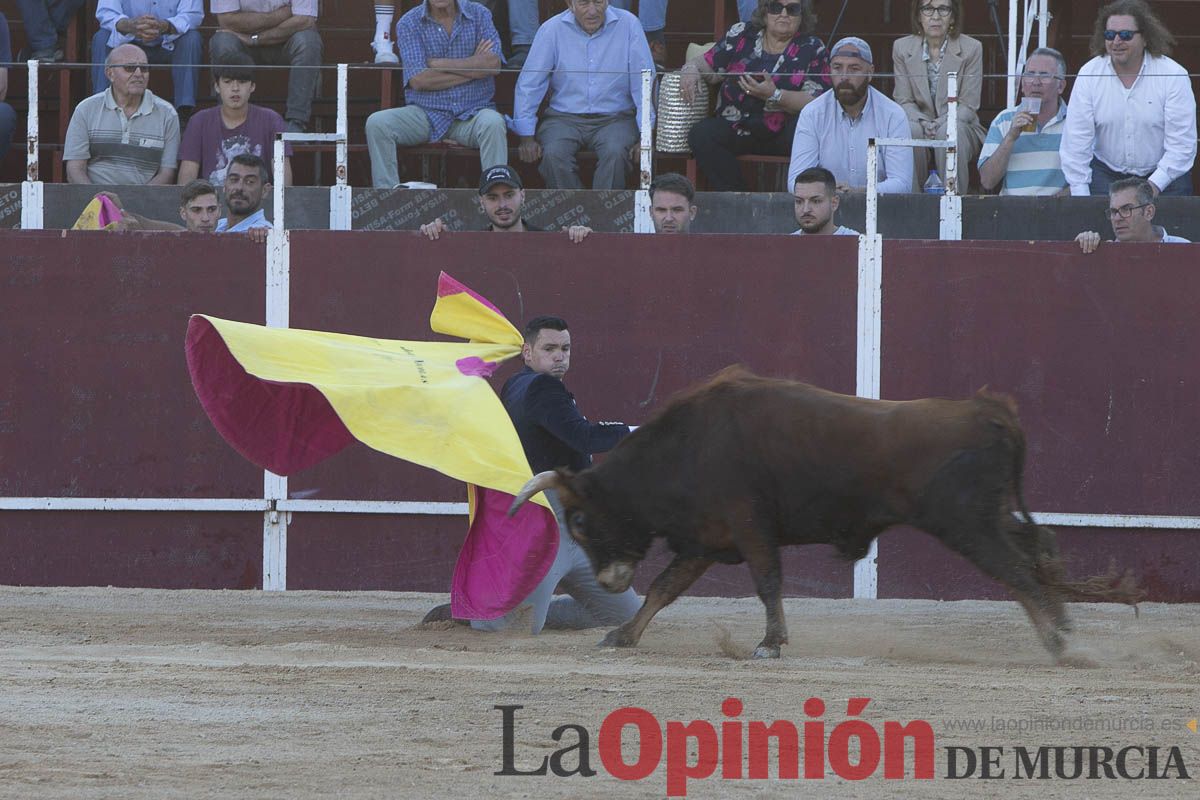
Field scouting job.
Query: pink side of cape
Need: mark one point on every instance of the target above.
(503, 558)
(283, 427)
(448, 286)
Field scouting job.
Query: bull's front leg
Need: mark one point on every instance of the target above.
(763, 560)
(670, 583)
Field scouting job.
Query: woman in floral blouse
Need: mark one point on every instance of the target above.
(769, 69)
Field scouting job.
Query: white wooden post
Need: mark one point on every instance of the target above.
(642, 223)
(33, 196)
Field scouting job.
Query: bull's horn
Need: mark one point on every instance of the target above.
(538, 483)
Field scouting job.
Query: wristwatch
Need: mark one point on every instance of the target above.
(254, 40)
(776, 96)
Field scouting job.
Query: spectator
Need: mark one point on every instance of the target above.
(1133, 113)
(502, 198)
(46, 23)
(522, 25)
(833, 130)
(591, 58)
(124, 134)
(922, 63)
(246, 182)
(234, 126)
(274, 32)
(8, 117)
(198, 208)
(451, 53)
(817, 200)
(780, 66)
(1024, 162)
(1131, 211)
(173, 38)
(672, 203)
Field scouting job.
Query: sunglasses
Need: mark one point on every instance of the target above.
(1125, 36)
(132, 68)
(791, 9)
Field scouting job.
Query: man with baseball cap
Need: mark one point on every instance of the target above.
(501, 196)
(832, 131)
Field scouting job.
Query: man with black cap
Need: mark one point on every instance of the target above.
(501, 196)
(832, 131)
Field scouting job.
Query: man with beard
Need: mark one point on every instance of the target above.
(672, 203)
(246, 182)
(815, 193)
(501, 196)
(832, 131)
(1131, 211)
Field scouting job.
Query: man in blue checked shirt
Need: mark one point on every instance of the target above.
(450, 52)
(167, 31)
(591, 57)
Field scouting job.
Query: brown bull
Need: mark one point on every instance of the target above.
(734, 469)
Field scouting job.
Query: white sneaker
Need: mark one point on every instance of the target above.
(384, 52)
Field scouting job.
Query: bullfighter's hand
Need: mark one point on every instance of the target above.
(1088, 241)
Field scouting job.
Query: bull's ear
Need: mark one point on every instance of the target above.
(576, 523)
(538, 483)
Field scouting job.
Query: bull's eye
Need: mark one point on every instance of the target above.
(575, 521)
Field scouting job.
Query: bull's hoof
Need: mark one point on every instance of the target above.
(1076, 660)
(618, 637)
(766, 651)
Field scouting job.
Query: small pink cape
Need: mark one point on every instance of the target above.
(503, 558)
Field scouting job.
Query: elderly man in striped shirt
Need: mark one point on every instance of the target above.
(1023, 161)
(450, 52)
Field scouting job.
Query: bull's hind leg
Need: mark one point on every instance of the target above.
(670, 583)
(1039, 544)
(988, 546)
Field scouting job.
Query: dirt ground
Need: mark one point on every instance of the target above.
(120, 693)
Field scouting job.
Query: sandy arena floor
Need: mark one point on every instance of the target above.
(119, 693)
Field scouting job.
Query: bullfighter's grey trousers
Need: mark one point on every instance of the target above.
(588, 606)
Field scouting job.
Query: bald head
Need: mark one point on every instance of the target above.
(129, 72)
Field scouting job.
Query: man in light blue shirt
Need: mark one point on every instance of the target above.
(832, 131)
(246, 182)
(591, 58)
(167, 31)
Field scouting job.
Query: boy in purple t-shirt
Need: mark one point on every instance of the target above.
(215, 135)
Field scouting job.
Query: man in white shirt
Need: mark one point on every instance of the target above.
(1133, 113)
(1131, 212)
(817, 200)
(832, 131)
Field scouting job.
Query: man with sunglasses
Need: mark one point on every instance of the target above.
(1024, 162)
(1131, 211)
(124, 134)
(1133, 113)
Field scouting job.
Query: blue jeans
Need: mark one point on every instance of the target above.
(184, 61)
(44, 19)
(1104, 176)
(8, 124)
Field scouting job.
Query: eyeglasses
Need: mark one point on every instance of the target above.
(791, 9)
(1042, 76)
(132, 68)
(1124, 212)
(1125, 35)
(936, 11)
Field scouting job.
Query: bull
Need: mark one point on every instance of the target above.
(739, 466)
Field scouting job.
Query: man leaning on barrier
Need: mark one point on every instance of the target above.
(1131, 211)
(502, 199)
(816, 197)
(672, 203)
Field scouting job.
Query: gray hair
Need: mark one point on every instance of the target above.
(1061, 72)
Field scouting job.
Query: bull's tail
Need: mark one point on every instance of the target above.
(1111, 587)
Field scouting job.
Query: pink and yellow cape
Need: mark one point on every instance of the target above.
(287, 399)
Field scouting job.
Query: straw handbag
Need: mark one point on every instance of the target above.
(676, 116)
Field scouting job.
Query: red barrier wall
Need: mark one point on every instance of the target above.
(1099, 351)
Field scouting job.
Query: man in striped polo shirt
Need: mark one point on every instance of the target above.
(124, 134)
(1028, 163)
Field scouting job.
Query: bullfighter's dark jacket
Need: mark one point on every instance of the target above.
(551, 429)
